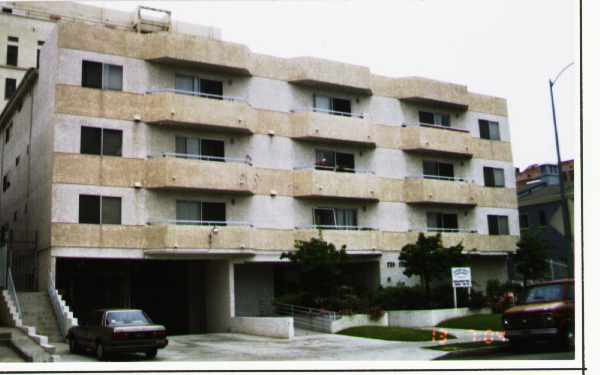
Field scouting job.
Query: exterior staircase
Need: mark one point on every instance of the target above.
(37, 312)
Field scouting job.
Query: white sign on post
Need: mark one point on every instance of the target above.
(461, 278)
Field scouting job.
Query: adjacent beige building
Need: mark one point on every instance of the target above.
(169, 171)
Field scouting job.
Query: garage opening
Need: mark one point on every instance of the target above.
(171, 292)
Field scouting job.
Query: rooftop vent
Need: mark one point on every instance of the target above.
(151, 20)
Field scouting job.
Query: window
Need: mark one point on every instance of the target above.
(6, 10)
(7, 132)
(204, 149)
(335, 218)
(336, 106)
(489, 130)
(438, 170)
(101, 76)
(497, 224)
(5, 182)
(198, 86)
(442, 222)
(493, 177)
(524, 221)
(334, 161)
(201, 213)
(542, 218)
(39, 50)
(10, 87)
(391, 264)
(99, 141)
(12, 51)
(15, 215)
(94, 209)
(430, 118)
(17, 160)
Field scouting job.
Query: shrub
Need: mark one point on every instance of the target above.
(478, 300)
(376, 313)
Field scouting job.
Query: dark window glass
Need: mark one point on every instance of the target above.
(10, 87)
(446, 170)
(191, 211)
(5, 182)
(180, 145)
(213, 149)
(344, 162)
(91, 140)
(542, 217)
(325, 160)
(7, 133)
(185, 84)
(433, 169)
(426, 117)
(37, 59)
(111, 210)
(441, 222)
(89, 209)
(6, 10)
(17, 160)
(489, 130)
(341, 105)
(112, 77)
(493, 177)
(214, 211)
(91, 74)
(543, 293)
(324, 217)
(12, 55)
(497, 225)
(484, 129)
(523, 221)
(112, 142)
(211, 87)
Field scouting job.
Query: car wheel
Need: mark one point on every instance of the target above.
(100, 352)
(151, 353)
(73, 347)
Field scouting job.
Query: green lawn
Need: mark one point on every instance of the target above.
(394, 333)
(480, 322)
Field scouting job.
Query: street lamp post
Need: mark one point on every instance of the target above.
(563, 200)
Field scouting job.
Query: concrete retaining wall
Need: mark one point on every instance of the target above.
(426, 318)
(279, 327)
(357, 320)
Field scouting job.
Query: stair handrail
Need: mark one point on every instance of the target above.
(56, 305)
(310, 311)
(12, 291)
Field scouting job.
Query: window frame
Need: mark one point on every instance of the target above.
(331, 100)
(497, 231)
(490, 177)
(441, 217)
(102, 146)
(101, 214)
(436, 166)
(103, 83)
(8, 94)
(335, 167)
(12, 51)
(334, 211)
(435, 115)
(485, 130)
(200, 207)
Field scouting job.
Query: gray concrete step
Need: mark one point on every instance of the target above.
(37, 311)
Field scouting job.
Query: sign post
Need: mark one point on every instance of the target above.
(461, 278)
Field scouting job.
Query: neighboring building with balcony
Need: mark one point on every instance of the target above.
(183, 166)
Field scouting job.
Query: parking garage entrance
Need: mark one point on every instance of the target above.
(171, 292)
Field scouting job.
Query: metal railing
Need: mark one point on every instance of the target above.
(197, 93)
(336, 227)
(307, 317)
(13, 293)
(319, 167)
(247, 160)
(215, 223)
(436, 177)
(56, 305)
(448, 230)
(330, 112)
(425, 125)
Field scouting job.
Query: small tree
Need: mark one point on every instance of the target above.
(320, 266)
(530, 258)
(429, 259)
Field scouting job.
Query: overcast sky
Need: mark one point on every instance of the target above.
(506, 48)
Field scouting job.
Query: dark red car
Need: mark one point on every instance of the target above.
(545, 311)
(118, 331)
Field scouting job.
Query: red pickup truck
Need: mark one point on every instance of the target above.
(118, 330)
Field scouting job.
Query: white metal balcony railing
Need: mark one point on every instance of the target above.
(247, 160)
(197, 93)
(336, 168)
(426, 125)
(436, 177)
(336, 227)
(329, 112)
(200, 222)
(445, 230)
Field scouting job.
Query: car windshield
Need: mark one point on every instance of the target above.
(126, 318)
(543, 293)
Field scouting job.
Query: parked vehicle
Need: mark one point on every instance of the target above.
(117, 330)
(544, 311)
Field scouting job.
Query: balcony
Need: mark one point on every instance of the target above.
(198, 52)
(442, 192)
(325, 74)
(432, 93)
(98, 236)
(328, 126)
(190, 172)
(354, 238)
(200, 111)
(311, 183)
(436, 140)
(97, 170)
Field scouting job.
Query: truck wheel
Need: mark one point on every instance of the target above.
(151, 354)
(73, 347)
(100, 352)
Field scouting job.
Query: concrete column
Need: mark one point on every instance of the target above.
(220, 295)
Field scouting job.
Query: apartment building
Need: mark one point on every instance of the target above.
(25, 25)
(169, 172)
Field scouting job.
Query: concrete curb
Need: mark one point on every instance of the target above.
(472, 352)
